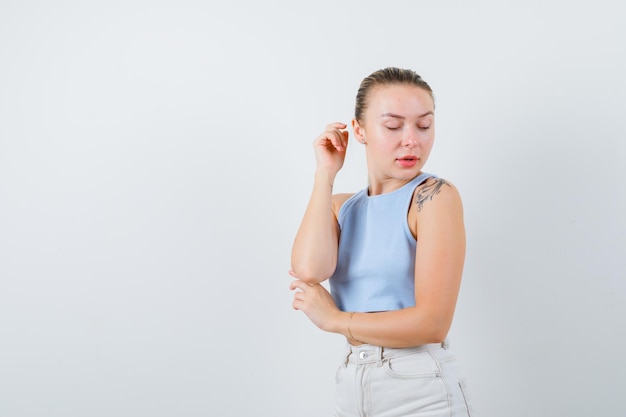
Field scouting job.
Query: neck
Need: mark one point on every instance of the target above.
(377, 187)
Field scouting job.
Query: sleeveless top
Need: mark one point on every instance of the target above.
(376, 261)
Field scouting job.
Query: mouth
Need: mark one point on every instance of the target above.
(407, 161)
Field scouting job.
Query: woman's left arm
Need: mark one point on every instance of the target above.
(440, 256)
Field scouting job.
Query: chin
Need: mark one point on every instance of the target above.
(409, 174)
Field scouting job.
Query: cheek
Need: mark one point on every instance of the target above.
(427, 143)
(429, 137)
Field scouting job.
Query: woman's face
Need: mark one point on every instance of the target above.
(398, 128)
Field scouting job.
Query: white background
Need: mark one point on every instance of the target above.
(155, 161)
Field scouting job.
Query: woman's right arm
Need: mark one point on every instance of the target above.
(314, 251)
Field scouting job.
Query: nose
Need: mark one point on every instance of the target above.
(410, 138)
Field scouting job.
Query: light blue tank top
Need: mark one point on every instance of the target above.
(376, 262)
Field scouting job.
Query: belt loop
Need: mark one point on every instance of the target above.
(347, 358)
(445, 344)
(379, 360)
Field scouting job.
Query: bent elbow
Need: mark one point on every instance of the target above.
(436, 331)
(311, 275)
(439, 331)
(438, 336)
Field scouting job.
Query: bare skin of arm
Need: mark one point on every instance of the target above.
(436, 217)
(314, 251)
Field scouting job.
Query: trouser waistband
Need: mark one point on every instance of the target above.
(363, 354)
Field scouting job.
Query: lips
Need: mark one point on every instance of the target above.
(407, 161)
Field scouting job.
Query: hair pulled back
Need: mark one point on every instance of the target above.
(386, 76)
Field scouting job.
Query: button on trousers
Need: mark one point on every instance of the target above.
(421, 381)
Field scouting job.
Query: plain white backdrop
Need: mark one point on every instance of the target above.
(155, 161)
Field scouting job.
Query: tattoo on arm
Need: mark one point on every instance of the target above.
(428, 190)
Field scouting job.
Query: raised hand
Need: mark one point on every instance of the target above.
(330, 147)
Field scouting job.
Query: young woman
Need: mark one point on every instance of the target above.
(393, 252)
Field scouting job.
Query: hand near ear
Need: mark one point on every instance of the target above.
(330, 147)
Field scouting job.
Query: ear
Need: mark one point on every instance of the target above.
(359, 131)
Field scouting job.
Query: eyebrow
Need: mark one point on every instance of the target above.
(397, 116)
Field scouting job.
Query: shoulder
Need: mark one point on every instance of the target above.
(436, 193)
(436, 209)
(338, 200)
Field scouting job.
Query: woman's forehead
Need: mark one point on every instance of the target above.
(400, 99)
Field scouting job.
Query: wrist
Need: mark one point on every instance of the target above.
(337, 323)
(326, 177)
(349, 335)
(343, 325)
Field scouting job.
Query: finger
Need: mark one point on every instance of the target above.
(333, 136)
(293, 274)
(336, 137)
(336, 128)
(336, 125)
(297, 284)
(344, 137)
